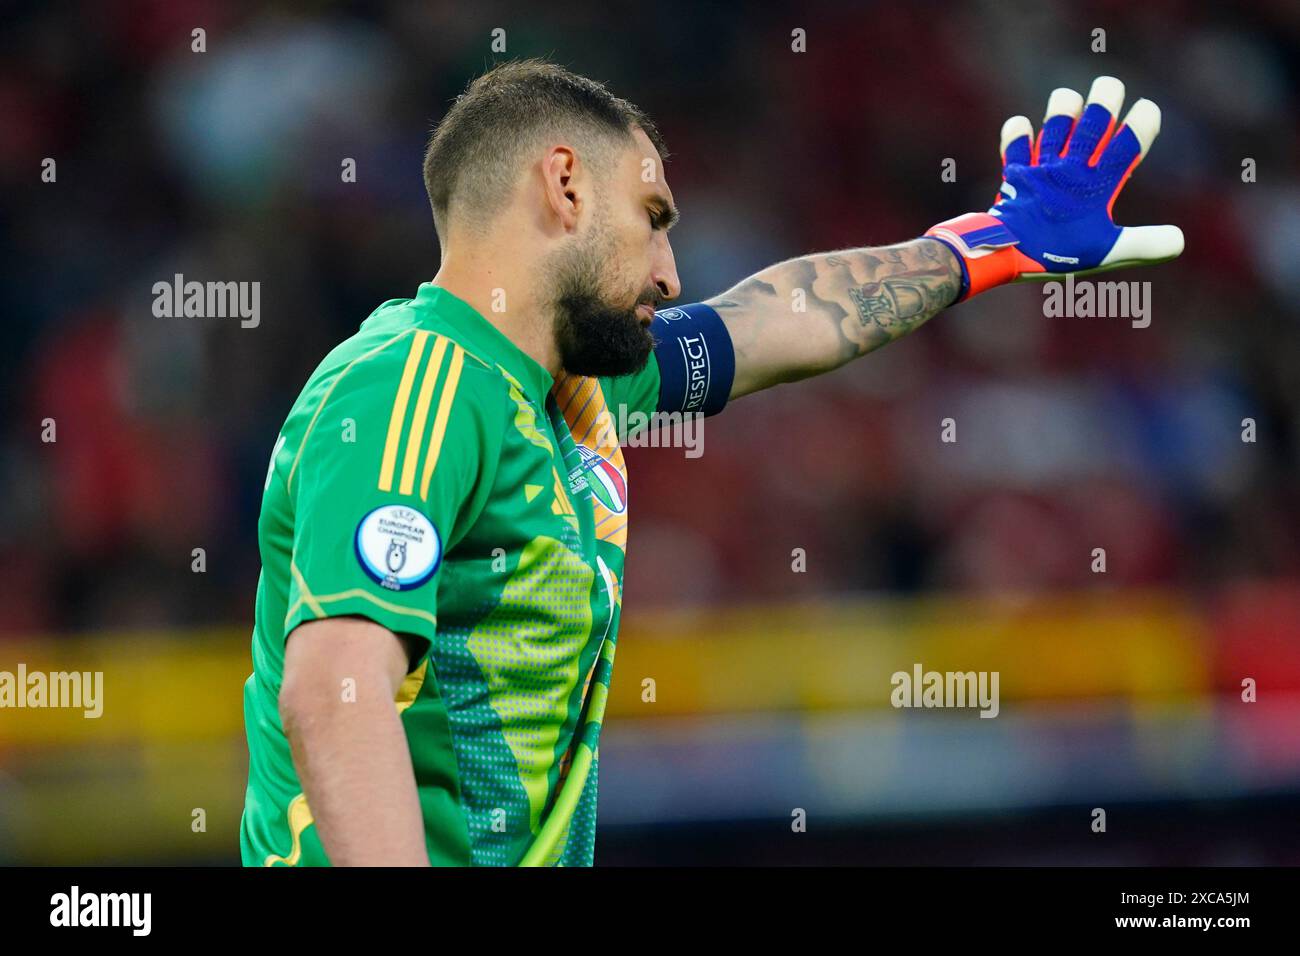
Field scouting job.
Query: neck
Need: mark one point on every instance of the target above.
(500, 283)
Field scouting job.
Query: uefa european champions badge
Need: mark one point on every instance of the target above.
(398, 547)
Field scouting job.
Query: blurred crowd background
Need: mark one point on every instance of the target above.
(1073, 433)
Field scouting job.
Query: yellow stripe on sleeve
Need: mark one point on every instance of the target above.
(416, 435)
(440, 420)
(399, 411)
(411, 685)
(299, 818)
(305, 592)
(378, 602)
(288, 482)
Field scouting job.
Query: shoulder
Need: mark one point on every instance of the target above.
(395, 399)
(390, 368)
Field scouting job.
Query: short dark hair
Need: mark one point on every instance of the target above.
(473, 154)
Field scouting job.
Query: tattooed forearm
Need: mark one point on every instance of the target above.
(815, 313)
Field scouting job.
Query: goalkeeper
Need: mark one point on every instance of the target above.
(445, 514)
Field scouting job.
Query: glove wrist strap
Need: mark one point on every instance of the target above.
(986, 249)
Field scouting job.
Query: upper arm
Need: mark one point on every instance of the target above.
(774, 341)
(321, 655)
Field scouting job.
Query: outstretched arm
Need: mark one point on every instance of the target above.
(1052, 217)
(813, 314)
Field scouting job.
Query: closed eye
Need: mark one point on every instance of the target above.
(662, 215)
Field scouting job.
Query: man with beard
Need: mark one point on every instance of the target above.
(444, 518)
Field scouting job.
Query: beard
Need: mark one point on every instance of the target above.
(595, 334)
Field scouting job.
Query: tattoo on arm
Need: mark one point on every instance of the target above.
(853, 302)
(899, 294)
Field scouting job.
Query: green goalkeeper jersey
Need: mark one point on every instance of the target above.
(435, 479)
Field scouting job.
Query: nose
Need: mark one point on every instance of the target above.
(664, 272)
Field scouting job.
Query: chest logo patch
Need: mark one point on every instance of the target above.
(398, 546)
(604, 479)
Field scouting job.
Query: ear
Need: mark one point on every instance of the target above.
(559, 174)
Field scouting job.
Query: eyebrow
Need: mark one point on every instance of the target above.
(665, 214)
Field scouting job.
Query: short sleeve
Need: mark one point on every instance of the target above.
(385, 470)
(632, 398)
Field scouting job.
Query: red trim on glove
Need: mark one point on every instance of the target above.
(985, 268)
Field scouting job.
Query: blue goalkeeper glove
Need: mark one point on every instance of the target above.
(1052, 215)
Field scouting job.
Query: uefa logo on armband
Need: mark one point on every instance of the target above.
(398, 546)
